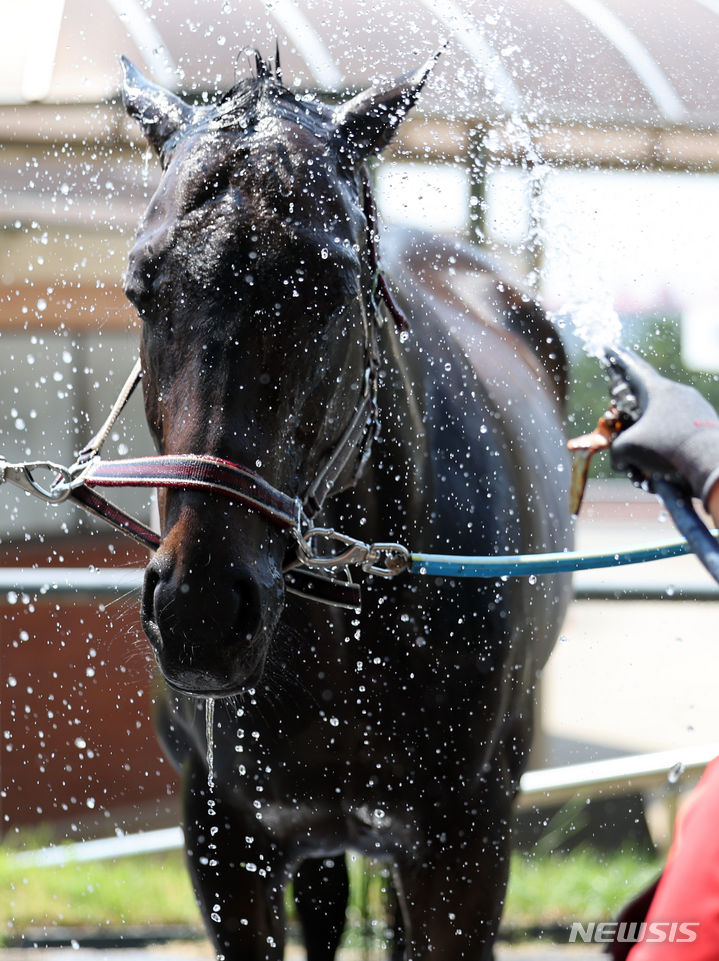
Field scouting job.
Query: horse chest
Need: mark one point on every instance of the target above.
(313, 799)
(360, 735)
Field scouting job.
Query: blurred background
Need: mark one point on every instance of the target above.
(577, 141)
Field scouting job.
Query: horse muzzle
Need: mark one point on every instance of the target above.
(210, 630)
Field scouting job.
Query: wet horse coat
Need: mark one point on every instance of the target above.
(400, 731)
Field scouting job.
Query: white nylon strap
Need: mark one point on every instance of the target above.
(93, 448)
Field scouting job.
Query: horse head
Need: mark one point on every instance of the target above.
(253, 278)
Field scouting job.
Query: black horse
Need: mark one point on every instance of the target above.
(401, 731)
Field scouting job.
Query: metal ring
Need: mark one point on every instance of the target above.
(395, 558)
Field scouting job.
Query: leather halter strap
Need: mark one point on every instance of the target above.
(199, 472)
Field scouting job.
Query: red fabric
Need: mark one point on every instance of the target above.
(688, 891)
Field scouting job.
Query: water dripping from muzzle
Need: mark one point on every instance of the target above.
(210, 739)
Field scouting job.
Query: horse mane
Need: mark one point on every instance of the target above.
(265, 94)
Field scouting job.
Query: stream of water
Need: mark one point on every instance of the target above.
(210, 738)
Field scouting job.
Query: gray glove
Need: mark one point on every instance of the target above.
(677, 434)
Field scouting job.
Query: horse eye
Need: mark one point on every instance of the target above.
(209, 189)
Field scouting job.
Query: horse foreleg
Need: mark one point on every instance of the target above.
(452, 901)
(321, 889)
(237, 875)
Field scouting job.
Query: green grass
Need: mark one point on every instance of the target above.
(559, 889)
(155, 890)
(152, 890)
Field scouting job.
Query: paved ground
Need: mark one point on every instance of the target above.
(196, 952)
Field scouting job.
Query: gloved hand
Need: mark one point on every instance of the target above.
(677, 434)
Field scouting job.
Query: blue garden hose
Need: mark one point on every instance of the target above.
(527, 565)
(699, 540)
(689, 524)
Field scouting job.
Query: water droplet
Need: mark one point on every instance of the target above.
(146, 158)
(676, 772)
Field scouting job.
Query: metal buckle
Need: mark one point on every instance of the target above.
(21, 475)
(384, 560)
(354, 552)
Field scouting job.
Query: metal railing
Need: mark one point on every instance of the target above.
(98, 583)
(633, 773)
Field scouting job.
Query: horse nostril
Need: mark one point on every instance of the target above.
(248, 611)
(147, 609)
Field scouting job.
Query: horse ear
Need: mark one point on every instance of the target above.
(159, 113)
(366, 123)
